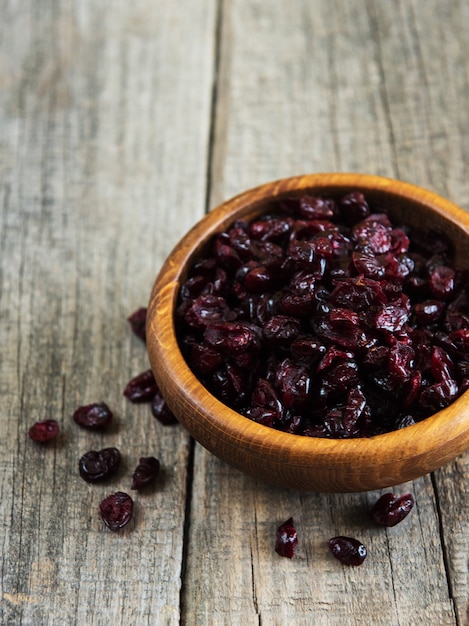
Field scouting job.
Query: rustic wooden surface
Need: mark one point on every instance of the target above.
(121, 123)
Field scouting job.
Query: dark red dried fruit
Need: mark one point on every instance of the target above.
(137, 323)
(389, 510)
(205, 310)
(145, 472)
(94, 416)
(287, 539)
(358, 326)
(348, 550)
(441, 281)
(116, 510)
(281, 329)
(354, 207)
(97, 465)
(316, 207)
(44, 431)
(231, 338)
(142, 388)
(161, 411)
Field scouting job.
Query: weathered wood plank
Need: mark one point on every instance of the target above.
(104, 133)
(104, 126)
(431, 129)
(320, 86)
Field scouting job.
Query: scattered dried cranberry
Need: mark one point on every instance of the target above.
(44, 431)
(390, 510)
(358, 326)
(348, 550)
(142, 388)
(145, 473)
(94, 416)
(137, 323)
(99, 465)
(161, 411)
(116, 510)
(287, 539)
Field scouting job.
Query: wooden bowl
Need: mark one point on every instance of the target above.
(299, 462)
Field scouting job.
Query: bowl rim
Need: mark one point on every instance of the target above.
(446, 431)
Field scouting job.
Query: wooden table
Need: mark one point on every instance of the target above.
(121, 124)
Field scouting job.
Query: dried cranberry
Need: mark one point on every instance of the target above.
(373, 237)
(368, 264)
(389, 510)
(357, 326)
(93, 416)
(231, 337)
(138, 321)
(116, 510)
(145, 472)
(269, 228)
(354, 207)
(99, 465)
(204, 359)
(428, 311)
(316, 207)
(207, 309)
(441, 281)
(348, 550)
(265, 395)
(226, 255)
(287, 539)
(439, 395)
(142, 388)
(44, 431)
(161, 411)
(281, 329)
(294, 382)
(391, 318)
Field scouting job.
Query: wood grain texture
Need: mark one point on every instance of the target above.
(116, 119)
(317, 87)
(104, 136)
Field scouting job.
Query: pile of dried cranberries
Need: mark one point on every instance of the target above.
(324, 319)
(99, 465)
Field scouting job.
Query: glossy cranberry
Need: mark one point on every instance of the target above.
(354, 207)
(391, 318)
(428, 311)
(97, 465)
(389, 510)
(373, 237)
(142, 388)
(44, 430)
(232, 338)
(161, 411)
(265, 395)
(281, 329)
(368, 264)
(287, 539)
(145, 472)
(441, 281)
(269, 228)
(400, 242)
(94, 416)
(317, 208)
(116, 510)
(207, 309)
(138, 321)
(204, 359)
(327, 319)
(348, 550)
(294, 383)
